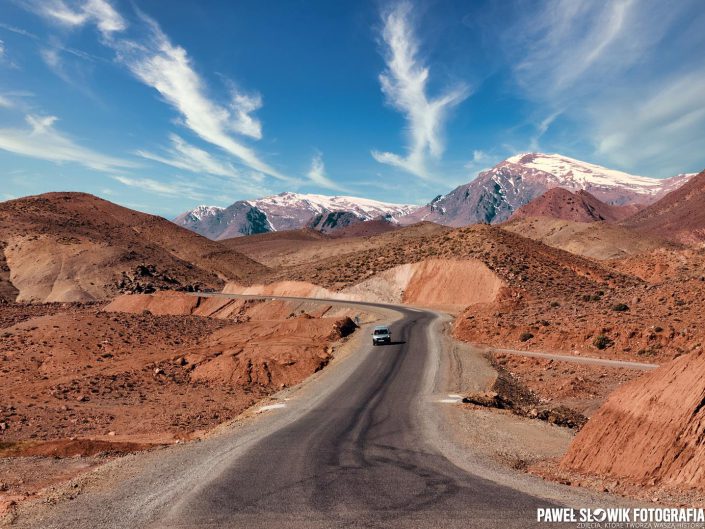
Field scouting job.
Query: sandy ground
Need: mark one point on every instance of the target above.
(499, 434)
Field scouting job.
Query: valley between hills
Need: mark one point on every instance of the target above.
(113, 339)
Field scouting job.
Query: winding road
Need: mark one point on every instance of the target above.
(349, 450)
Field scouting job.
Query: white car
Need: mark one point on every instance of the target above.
(381, 334)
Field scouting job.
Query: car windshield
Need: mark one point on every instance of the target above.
(381, 331)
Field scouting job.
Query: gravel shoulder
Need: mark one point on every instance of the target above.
(495, 444)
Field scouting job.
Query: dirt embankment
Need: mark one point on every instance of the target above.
(432, 282)
(508, 393)
(650, 432)
(579, 387)
(8, 291)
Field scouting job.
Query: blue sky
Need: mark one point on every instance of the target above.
(161, 106)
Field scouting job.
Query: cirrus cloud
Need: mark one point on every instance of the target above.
(404, 83)
(42, 140)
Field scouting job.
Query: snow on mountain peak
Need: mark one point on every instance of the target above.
(364, 207)
(567, 171)
(201, 212)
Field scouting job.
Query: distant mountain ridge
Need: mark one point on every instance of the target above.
(496, 193)
(287, 211)
(491, 198)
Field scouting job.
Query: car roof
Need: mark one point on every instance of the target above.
(380, 327)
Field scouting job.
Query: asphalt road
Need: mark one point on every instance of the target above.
(357, 459)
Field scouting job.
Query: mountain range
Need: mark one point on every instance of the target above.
(496, 193)
(287, 211)
(492, 198)
(679, 216)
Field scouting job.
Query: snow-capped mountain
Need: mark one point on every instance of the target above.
(496, 193)
(287, 211)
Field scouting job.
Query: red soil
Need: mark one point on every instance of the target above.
(650, 432)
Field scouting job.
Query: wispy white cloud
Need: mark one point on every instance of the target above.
(662, 128)
(317, 174)
(5, 102)
(562, 44)
(242, 122)
(609, 68)
(4, 59)
(404, 84)
(52, 58)
(43, 141)
(175, 189)
(99, 12)
(478, 156)
(482, 160)
(154, 60)
(19, 31)
(541, 128)
(183, 155)
(169, 70)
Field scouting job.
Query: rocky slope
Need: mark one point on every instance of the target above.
(77, 247)
(597, 240)
(650, 431)
(678, 216)
(387, 266)
(296, 247)
(495, 194)
(286, 211)
(581, 206)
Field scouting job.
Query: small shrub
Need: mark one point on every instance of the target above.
(620, 307)
(602, 342)
(555, 304)
(592, 297)
(658, 329)
(526, 336)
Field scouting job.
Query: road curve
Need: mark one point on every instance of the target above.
(351, 449)
(358, 459)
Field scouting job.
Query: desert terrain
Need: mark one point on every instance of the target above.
(107, 347)
(570, 275)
